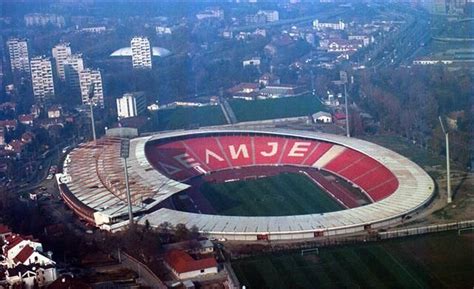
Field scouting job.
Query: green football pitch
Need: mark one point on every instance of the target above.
(275, 108)
(284, 194)
(434, 261)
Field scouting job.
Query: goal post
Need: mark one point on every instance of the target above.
(468, 230)
(310, 251)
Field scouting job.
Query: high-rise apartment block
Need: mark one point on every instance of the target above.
(73, 64)
(91, 79)
(60, 53)
(18, 51)
(42, 78)
(43, 19)
(141, 52)
(131, 104)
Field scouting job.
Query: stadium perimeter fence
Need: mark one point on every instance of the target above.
(370, 236)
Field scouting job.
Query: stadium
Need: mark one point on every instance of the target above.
(369, 186)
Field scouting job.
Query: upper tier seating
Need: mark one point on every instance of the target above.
(187, 158)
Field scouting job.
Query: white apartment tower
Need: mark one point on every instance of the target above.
(89, 78)
(18, 51)
(42, 78)
(141, 52)
(131, 104)
(73, 64)
(60, 53)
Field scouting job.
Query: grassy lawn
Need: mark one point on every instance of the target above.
(284, 194)
(275, 108)
(434, 261)
(189, 117)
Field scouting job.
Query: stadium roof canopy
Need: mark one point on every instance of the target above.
(127, 51)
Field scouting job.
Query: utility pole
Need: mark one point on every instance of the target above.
(124, 153)
(448, 170)
(91, 104)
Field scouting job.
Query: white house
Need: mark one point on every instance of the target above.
(322, 117)
(254, 61)
(15, 244)
(29, 275)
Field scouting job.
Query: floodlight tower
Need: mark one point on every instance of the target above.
(448, 171)
(91, 104)
(124, 153)
(343, 78)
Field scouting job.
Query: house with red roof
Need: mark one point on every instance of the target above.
(24, 263)
(5, 232)
(28, 256)
(14, 244)
(26, 119)
(184, 266)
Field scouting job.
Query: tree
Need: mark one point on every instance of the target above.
(182, 233)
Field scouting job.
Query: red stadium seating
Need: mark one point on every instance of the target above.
(343, 160)
(238, 149)
(183, 159)
(296, 151)
(268, 150)
(320, 149)
(208, 152)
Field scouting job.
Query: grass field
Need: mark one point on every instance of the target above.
(275, 108)
(284, 194)
(434, 261)
(189, 117)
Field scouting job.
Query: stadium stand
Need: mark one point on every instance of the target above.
(92, 180)
(179, 159)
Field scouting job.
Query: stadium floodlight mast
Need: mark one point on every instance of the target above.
(343, 78)
(124, 153)
(448, 171)
(91, 104)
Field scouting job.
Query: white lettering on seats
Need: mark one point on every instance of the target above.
(298, 149)
(169, 169)
(210, 153)
(186, 160)
(241, 150)
(273, 151)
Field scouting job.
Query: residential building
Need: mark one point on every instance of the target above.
(95, 29)
(54, 111)
(141, 52)
(131, 104)
(18, 52)
(270, 15)
(2, 143)
(161, 30)
(365, 39)
(31, 276)
(183, 266)
(25, 264)
(43, 19)
(325, 25)
(254, 61)
(42, 78)
(60, 53)
(72, 66)
(268, 79)
(213, 12)
(15, 244)
(5, 232)
(90, 78)
(322, 117)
